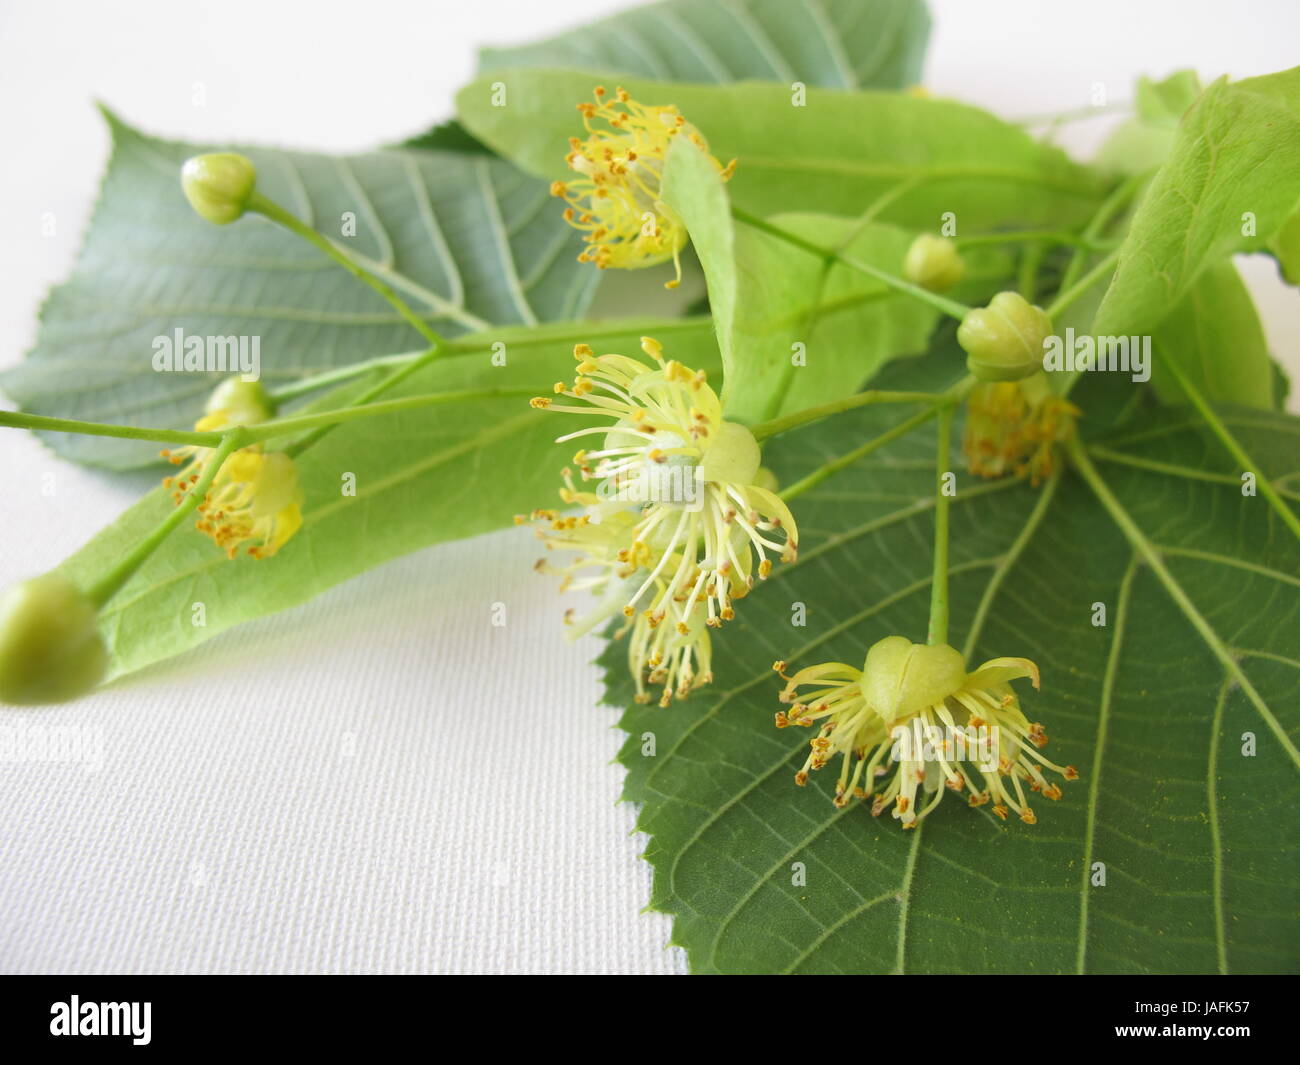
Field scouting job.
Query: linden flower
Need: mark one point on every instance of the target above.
(615, 198)
(908, 690)
(233, 402)
(255, 500)
(704, 529)
(669, 646)
(1007, 431)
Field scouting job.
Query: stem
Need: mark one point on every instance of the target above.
(18, 420)
(940, 303)
(1110, 207)
(1234, 449)
(1049, 236)
(938, 633)
(316, 382)
(1149, 554)
(378, 388)
(1027, 276)
(255, 434)
(765, 429)
(1066, 296)
(279, 215)
(107, 585)
(951, 398)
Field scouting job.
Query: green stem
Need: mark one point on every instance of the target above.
(765, 429)
(279, 215)
(1067, 296)
(378, 388)
(256, 434)
(108, 584)
(938, 633)
(1109, 208)
(940, 303)
(306, 385)
(286, 426)
(1047, 236)
(1233, 448)
(951, 398)
(18, 420)
(1149, 554)
(1027, 276)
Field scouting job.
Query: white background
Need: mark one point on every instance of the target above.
(380, 780)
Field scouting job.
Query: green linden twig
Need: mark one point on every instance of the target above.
(18, 420)
(1066, 296)
(106, 587)
(951, 398)
(254, 434)
(1026, 236)
(940, 303)
(1149, 554)
(1229, 442)
(938, 633)
(1109, 208)
(773, 426)
(279, 215)
(315, 382)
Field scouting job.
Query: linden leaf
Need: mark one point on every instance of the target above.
(467, 238)
(838, 44)
(1187, 768)
(1230, 184)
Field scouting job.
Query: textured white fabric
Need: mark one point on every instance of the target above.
(380, 780)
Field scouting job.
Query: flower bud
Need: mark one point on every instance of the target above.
(219, 185)
(933, 263)
(241, 402)
(901, 677)
(1004, 341)
(50, 649)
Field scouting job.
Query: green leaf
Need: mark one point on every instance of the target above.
(1145, 141)
(1196, 837)
(835, 154)
(1216, 336)
(421, 477)
(467, 239)
(1285, 245)
(1230, 183)
(794, 331)
(837, 44)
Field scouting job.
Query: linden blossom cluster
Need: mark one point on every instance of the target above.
(615, 199)
(678, 528)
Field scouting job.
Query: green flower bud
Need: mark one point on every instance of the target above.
(219, 185)
(901, 678)
(1004, 341)
(732, 456)
(933, 263)
(244, 402)
(50, 649)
